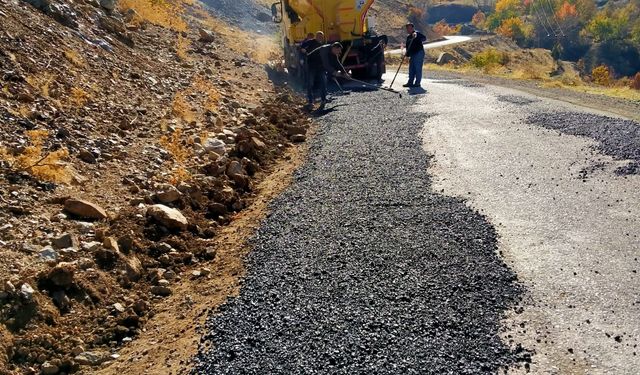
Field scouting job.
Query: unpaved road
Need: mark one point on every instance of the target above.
(457, 231)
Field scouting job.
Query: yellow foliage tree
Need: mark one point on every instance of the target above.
(512, 28)
(479, 19)
(601, 75)
(507, 5)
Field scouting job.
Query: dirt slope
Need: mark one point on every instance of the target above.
(124, 110)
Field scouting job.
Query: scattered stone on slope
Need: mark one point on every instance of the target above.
(206, 36)
(84, 209)
(66, 240)
(169, 217)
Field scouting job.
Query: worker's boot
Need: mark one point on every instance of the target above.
(408, 85)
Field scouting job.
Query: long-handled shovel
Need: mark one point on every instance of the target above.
(397, 71)
(342, 92)
(404, 56)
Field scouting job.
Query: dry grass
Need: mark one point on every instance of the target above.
(42, 83)
(181, 151)
(566, 81)
(43, 165)
(182, 48)
(530, 71)
(635, 82)
(206, 88)
(615, 92)
(74, 58)
(165, 13)
(78, 97)
(181, 108)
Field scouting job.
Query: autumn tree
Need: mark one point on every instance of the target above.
(603, 28)
(505, 9)
(513, 28)
(479, 19)
(566, 11)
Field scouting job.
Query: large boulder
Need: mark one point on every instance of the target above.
(206, 36)
(84, 209)
(168, 193)
(445, 58)
(167, 216)
(40, 4)
(108, 4)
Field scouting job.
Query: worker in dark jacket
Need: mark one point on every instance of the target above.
(309, 45)
(415, 53)
(323, 61)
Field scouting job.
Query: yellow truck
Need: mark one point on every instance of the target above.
(344, 21)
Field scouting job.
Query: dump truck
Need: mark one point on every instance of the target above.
(344, 21)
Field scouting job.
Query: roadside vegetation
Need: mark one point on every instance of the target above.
(603, 41)
(591, 46)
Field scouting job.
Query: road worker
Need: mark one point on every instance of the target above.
(324, 61)
(415, 53)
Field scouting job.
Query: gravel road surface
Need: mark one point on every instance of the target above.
(362, 268)
(376, 259)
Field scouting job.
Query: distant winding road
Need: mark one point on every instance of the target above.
(452, 39)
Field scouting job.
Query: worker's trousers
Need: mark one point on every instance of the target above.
(415, 68)
(317, 78)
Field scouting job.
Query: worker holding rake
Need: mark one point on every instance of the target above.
(324, 61)
(415, 53)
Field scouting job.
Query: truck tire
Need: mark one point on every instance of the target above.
(377, 68)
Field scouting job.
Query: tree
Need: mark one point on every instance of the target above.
(566, 11)
(504, 6)
(603, 28)
(516, 29)
(479, 19)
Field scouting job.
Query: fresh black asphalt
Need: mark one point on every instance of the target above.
(616, 137)
(362, 269)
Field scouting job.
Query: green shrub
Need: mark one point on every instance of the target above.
(489, 58)
(601, 75)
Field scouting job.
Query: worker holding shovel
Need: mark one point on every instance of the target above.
(415, 53)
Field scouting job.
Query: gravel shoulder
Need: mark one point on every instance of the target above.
(595, 103)
(362, 268)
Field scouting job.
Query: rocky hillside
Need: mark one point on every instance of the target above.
(393, 15)
(131, 132)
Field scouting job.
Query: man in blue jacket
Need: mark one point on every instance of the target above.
(415, 53)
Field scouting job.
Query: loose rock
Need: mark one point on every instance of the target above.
(84, 209)
(169, 217)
